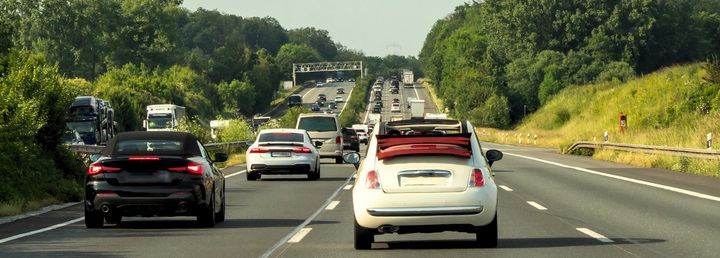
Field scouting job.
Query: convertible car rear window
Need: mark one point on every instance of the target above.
(148, 146)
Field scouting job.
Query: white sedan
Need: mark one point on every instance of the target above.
(395, 107)
(338, 99)
(283, 151)
(424, 182)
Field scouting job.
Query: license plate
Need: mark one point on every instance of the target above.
(280, 154)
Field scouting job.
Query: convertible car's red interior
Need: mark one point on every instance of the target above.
(439, 144)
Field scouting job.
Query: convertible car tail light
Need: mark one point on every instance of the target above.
(372, 182)
(259, 150)
(476, 178)
(192, 168)
(97, 169)
(301, 150)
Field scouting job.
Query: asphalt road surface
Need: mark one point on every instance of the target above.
(550, 205)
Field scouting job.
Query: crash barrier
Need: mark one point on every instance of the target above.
(237, 145)
(663, 150)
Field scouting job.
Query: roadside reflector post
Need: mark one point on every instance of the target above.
(528, 138)
(535, 141)
(606, 136)
(709, 141)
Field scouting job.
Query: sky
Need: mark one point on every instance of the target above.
(375, 27)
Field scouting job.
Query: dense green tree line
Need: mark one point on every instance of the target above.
(514, 55)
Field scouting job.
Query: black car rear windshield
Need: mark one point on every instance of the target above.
(148, 146)
(281, 137)
(318, 124)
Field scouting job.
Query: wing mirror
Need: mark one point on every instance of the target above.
(220, 157)
(95, 156)
(318, 144)
(352, 158)
(493, 155)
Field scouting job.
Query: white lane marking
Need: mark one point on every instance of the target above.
(235, 174)
(537, 206)
(332, 205)
(664, 187)
(595, 235)
(506, 188)
(305, 223)
(347, 187)
(299, 235)
(8, 239)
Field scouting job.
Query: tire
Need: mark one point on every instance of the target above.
(94, 219)
(487, 236)
(206, 216)
(220, 216)
(113, 218)
(252, 176)
(338, 160)
(363, 237)
(313, 176)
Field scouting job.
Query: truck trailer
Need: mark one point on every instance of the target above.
(417, 109)
(408, 79)
(92, 118)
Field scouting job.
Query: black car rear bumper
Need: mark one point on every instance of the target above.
(146, 202)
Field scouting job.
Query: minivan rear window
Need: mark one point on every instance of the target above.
(281, 137)
(318, 124)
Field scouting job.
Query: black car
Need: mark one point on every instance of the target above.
(351, 79)
(379, 103)
(154, 174)
(332, 104)
(322, 97)
(378, 97)
(394, 91)
(340, 91)
(350, 139)
(314, 107)
(395, 83)
(376, 110)
(320, 103)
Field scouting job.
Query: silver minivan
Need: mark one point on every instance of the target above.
(325, 128)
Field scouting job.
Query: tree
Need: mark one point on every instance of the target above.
(264, 33)
(317, 39)
(293, 53)
(238, 96)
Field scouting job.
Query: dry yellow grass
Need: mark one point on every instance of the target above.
(14, 208)
(656, 112)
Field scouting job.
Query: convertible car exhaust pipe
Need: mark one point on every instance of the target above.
(183, 208)
(105, 208)
(386, 229)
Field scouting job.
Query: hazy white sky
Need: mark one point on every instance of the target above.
(375, 27)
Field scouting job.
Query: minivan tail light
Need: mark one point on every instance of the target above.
(192, 168)
(476, 178)
(259, 150)
(97, 169)
(372, 182)
(338, 139)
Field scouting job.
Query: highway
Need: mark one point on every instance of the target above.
(550, 205)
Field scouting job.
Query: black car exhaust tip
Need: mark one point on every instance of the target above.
(385, 229)
(183, 208)
(105, 208)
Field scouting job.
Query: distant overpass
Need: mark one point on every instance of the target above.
(327, 67)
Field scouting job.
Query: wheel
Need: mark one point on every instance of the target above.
(206, 216)
(252, 176)
(220, 216)
(93, 219)
(363, 237)
(338, 160)
(487, 236)
(113, 218)
(314, 175)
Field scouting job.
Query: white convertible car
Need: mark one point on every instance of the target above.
(425, 182)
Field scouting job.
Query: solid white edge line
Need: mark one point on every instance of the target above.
(659, 186)
(235, 174)
(537, 206)
(332, 205)
(506, 188)
(299, 235)
(305, 223)
(8, 239)
(595, 235)
(347, 187)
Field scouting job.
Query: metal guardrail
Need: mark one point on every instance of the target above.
(91, 149)
(664, 150)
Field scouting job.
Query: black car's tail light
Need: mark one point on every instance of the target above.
(192, 168)
(98, 168)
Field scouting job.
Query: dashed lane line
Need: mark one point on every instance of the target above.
(537, 206)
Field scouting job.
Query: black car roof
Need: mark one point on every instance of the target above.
(189, 140)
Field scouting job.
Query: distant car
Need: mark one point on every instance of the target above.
(351, 79)
(350, 139)
(424, 183)
(325, 128)
(283, 151)
(332, 104)
(362, 132)
(395, 107)
(378, 97)
(379, 103)
(395, 83)
(154, 174)
(314, 107)
(396, 100)
(339, 99)
(320, 103)
(376, 110)
(322, 97)
(394, 91)
(320, 84)
(340, 91)
(72, 137)
(328, 111)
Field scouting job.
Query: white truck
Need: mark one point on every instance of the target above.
(374, 119)
(417, 109)
(435, 116)
(163, 117)
(408, 79)
(217, 124)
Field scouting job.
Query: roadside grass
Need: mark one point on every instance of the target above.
(662, 108)
(17, 208)
(233, 159)
(428, 84)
